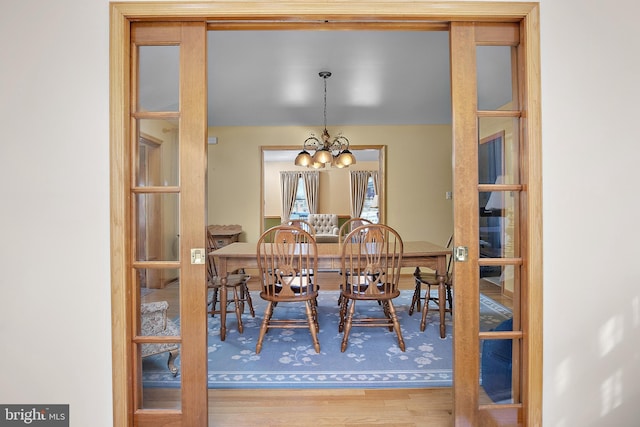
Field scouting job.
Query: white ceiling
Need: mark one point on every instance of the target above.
(270, 78)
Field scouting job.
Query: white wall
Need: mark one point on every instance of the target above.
(54, 212)
(590, 92)
(55, 316)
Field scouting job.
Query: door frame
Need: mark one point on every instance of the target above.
(397, 14)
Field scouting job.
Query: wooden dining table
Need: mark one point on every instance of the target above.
(240, 255)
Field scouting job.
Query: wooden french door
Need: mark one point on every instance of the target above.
(494, 227)
(186, 192)
(169, 209)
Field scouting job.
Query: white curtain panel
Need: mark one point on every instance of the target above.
(359, 180)
(311, 180)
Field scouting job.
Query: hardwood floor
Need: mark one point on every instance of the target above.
(336, 408)
(322, 407)
(389, 407)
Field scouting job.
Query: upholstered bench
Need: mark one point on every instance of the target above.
(325, 226)
(155, 322)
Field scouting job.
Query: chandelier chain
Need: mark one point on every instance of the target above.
(325, 102)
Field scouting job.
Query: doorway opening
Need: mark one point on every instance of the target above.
(412, 119)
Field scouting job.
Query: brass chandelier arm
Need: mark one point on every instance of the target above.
(336, 146)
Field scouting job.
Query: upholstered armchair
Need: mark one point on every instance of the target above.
(325, 226)
(155, 322)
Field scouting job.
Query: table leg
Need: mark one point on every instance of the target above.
(223, 298)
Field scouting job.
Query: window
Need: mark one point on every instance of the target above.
(300, 208)
(370, 210)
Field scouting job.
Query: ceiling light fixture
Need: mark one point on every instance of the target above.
(327, 150)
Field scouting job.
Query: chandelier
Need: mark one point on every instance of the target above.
(334, 151)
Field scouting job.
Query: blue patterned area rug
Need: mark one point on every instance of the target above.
(288, 360)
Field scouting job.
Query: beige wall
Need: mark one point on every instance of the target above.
(418, 168)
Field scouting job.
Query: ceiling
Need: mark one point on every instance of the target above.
(270, 78)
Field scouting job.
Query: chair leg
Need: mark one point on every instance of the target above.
(313, 324)
(387, 313)
(238, 305)
(347, 325)
(415, 301)
(344, 304)
(214, 301)
(425, 310)
(314, 314)
(396, 324)
(265, 325)
(246, 296)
